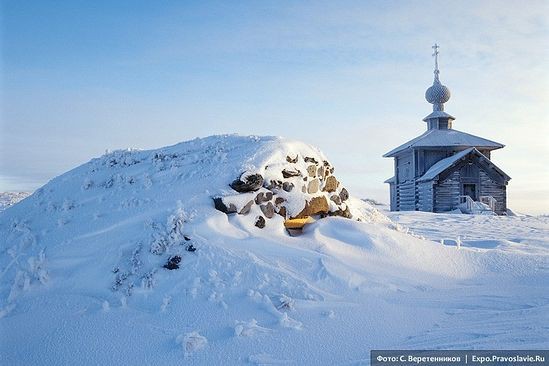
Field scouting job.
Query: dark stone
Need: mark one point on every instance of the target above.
(287, 186)
(263, 197)
(220, 205)
(279, 200)
(336, 199)
(282, 212)
(247, 207)
(260, 222)
(173, 262)
(344, 195)
(290, 160)
(268, 210)
(321, 173)
(275, 184)
(326, 163)
(190, 248)
(187, 238)
(310, 160)
(343, 213)
(288, 173)
(248, 183)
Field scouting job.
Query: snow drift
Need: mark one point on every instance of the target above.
(127, 255)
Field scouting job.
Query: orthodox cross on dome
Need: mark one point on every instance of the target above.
(435, 54)
(437, 94)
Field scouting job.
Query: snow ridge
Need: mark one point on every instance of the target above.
(127, 255)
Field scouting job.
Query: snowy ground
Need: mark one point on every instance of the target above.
(79, 284)
(490, 314)
(529, 234)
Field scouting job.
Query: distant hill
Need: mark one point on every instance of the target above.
(8, 199)
(373, 202)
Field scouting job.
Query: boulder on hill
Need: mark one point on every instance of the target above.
(247, 183)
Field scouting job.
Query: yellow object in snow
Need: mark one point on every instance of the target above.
(298, 223)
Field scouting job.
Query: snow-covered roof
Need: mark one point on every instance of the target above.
(444, 164)
(438, 114)
(391, 180)
(446, 137)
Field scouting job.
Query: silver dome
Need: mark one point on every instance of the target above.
(437, 93)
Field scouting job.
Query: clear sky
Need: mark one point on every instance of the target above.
(79, 77)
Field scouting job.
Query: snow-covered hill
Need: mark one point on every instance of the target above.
(8, 199)
(126, 260)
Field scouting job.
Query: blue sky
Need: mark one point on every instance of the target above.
(79, 77)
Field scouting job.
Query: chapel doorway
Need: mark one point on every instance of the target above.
(470, 190)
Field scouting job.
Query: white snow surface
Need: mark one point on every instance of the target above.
(79, 284)
(445, 137)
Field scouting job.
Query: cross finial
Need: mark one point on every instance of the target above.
(435, 54)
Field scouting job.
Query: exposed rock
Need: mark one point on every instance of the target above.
(321, 173)
(311, 171)
(331, 184)
(268, 210)
(313, 177)
(247, 207)
(231, 208)
(344, 195)
(328, 169)
(263, 197)
(313, 186)
(317, 205)
(290, 160)
(274, 184)
(190, 248)
(287, 186)
(220, 205)
(173, 262)
(247, 183)
(343, 213)
(336, 199)
(288, 173)
(260, 222)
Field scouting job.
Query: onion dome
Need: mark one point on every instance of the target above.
(437, 94)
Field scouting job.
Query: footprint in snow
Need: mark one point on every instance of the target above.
(249, 329)
(287, 322)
